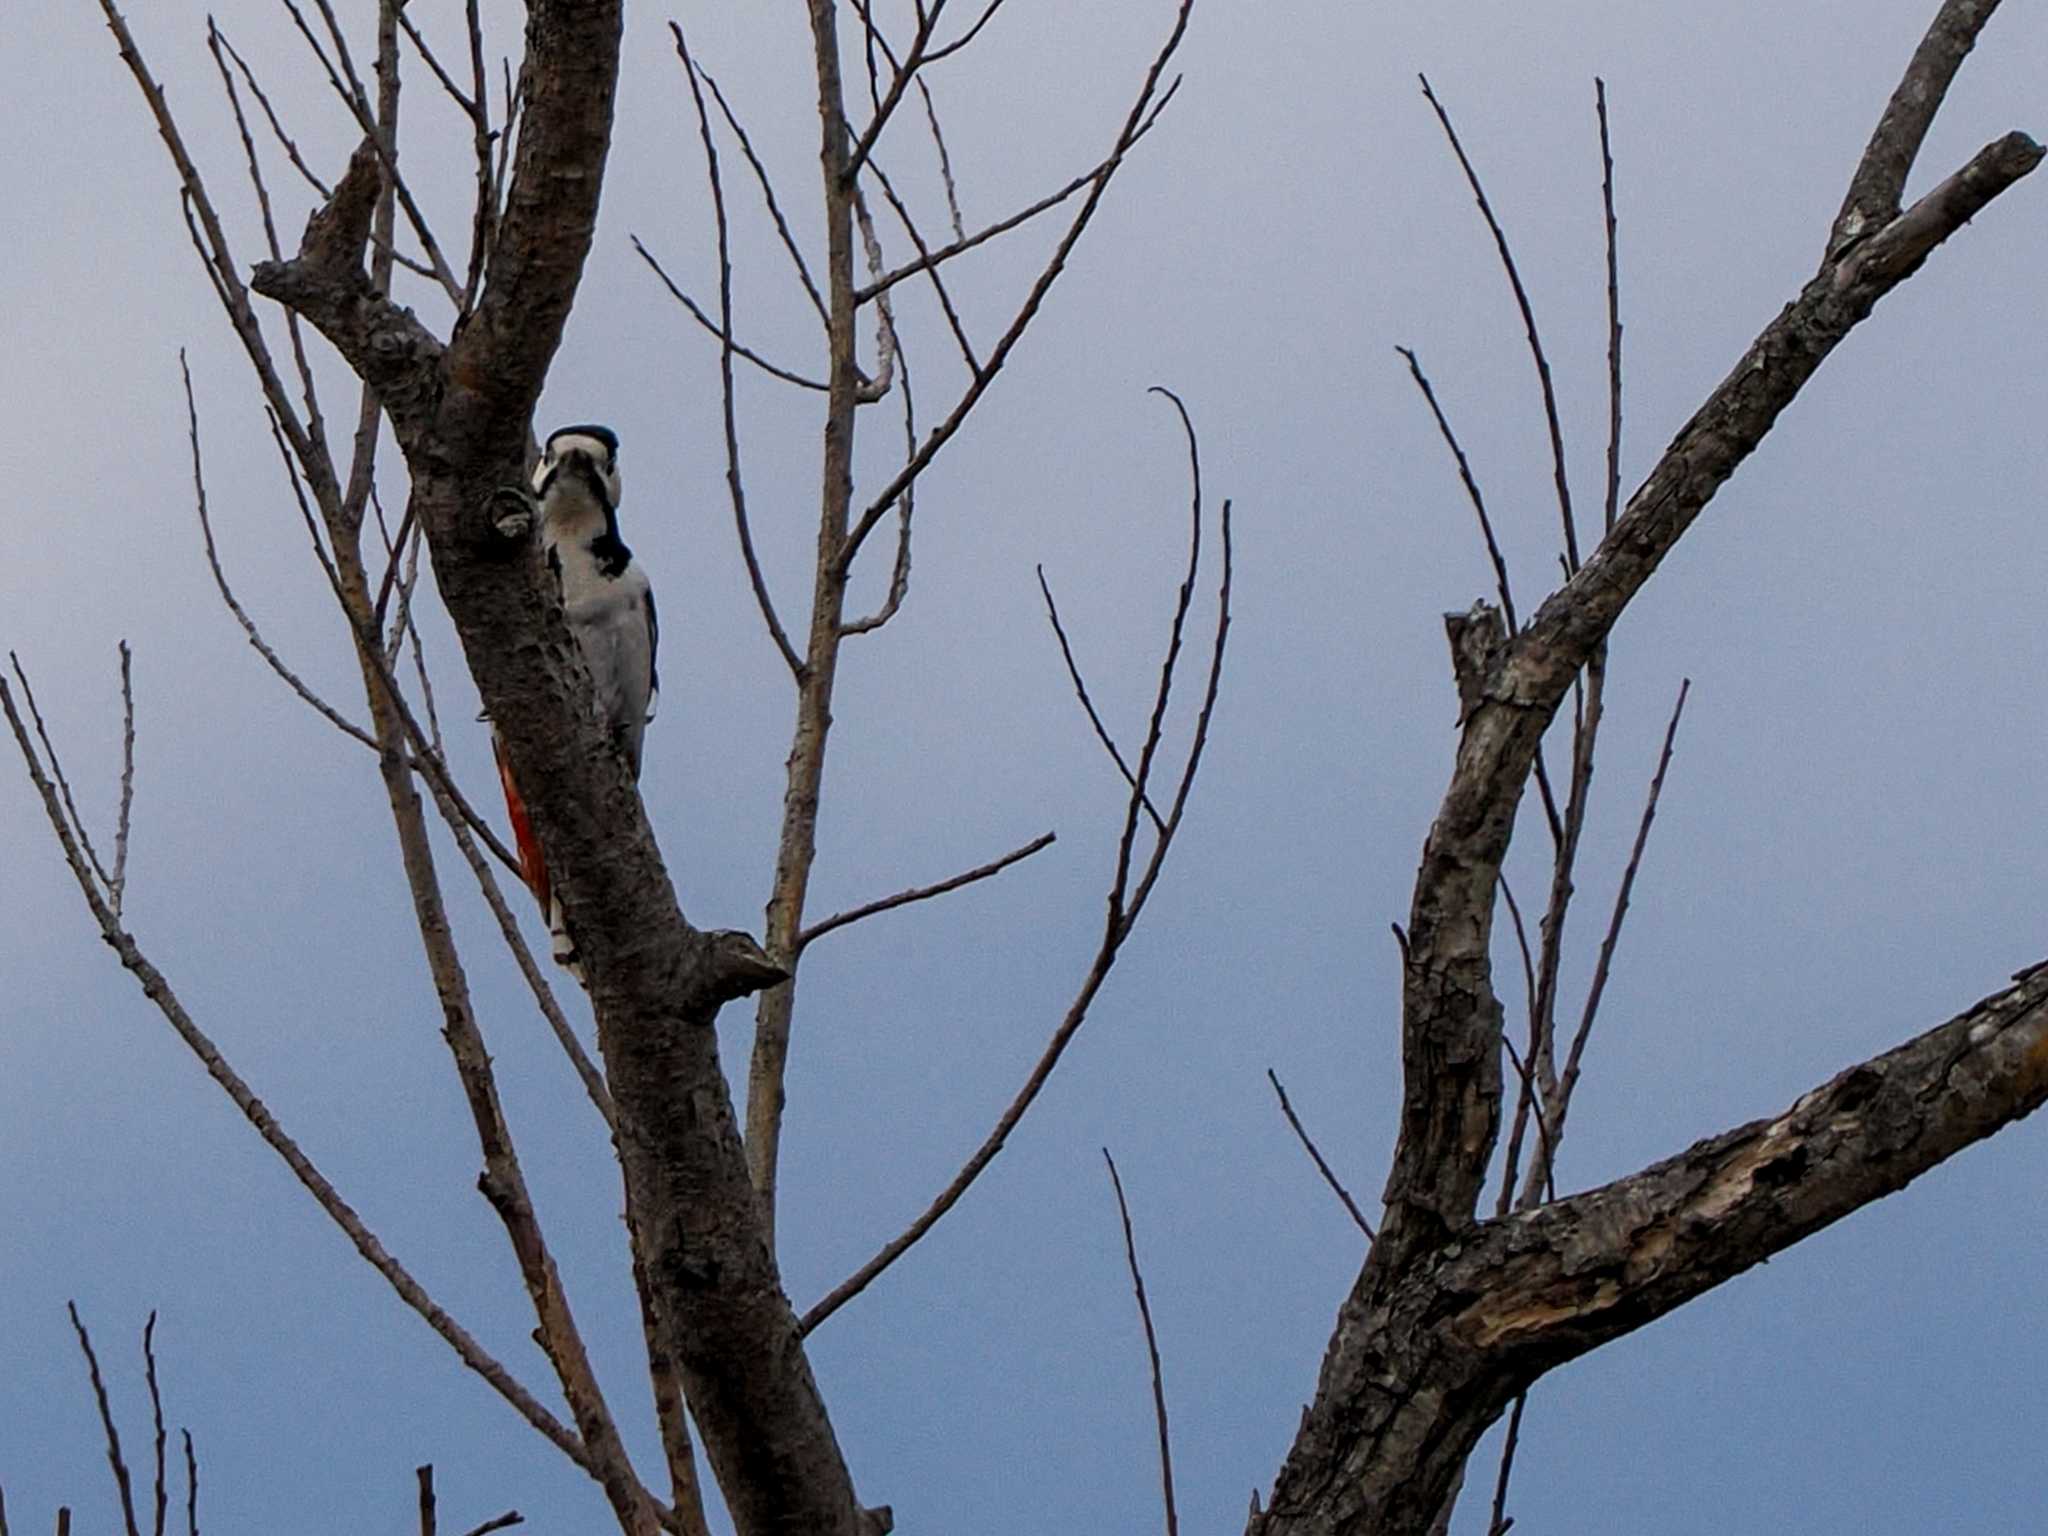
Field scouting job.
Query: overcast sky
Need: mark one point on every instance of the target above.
(1849, 849)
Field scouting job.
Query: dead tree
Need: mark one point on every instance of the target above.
(1453, 1314)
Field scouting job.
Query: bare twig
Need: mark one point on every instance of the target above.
(292, 680)
(767, 186)
(1612, 505)
(1502, 1521)
(905, 72)
(427, 1516)
(1570, 1077)
(156, 1412)
(497, 1523)
(906, 509)
(1547, 1162)
(887, 343)
(1003, 226)
(117, 887)
(1511, 1162)
(191, 1486)
(217, 44)
(1322, 1167)
(1472, 493)
(1102, 735)
(464, 102)
(917, 893)
(934, 55)
(931, 269)
(733, 479)
(724, 334)
(99, 1392)
(1500, 240)
(57, 771)
(931, 116)
(1151, 1348)
(358, 102)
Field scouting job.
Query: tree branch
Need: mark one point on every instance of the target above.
(1322, 1167)
(1123, 1211)
(1879, 183)
(917, 893)
(115, 1460)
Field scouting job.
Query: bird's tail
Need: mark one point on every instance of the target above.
(563, 947)
(533, 868)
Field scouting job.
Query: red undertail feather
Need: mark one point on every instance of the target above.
(532, 867)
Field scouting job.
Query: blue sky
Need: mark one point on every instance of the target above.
(1847, 853)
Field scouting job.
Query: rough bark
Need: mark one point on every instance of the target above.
(1424, 1361)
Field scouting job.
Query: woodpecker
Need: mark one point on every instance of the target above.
(610, 609)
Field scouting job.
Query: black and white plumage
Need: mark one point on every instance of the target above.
(610, 609)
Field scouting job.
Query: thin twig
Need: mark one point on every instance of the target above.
(1472, 493)
(358, 103)
(904, 898)
(1570, 1077)
(1613, 499)
(497, 1523)
(906, 509)
(773, 370)
(1169, 669)
(1003, 226)
(326, 711)
(57, 770)
(906, 71)
(284, 140)
(217, 44)
(1502, 1521)
(191, 1485)
(767, 186)
(1151, 1348)
(428, 1521)
(931, 269)
(99, 1392)
(931, 115)
(1102, 735)
(887, 344)
(1322, 1167)
(936, 54)
(1549, 1158)
(156, 1411)
(117, 887)
(1500, 240)
(1511, 1162)
(734, 482)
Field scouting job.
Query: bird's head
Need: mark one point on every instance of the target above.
(590, 453)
